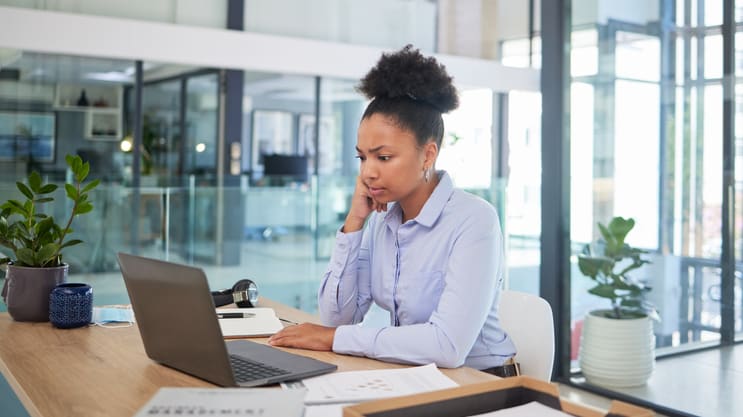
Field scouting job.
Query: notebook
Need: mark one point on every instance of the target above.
(176, 317)
(253, 322)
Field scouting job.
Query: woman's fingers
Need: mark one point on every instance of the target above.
(305, 336)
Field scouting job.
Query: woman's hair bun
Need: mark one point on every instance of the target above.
(407, 73)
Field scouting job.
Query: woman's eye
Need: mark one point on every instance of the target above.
(384, 157)
(361, 158)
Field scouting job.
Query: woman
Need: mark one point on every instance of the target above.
(430, 254)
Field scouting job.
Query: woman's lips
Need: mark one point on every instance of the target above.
(375, 191)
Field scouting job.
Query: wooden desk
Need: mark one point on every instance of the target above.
(94, 371)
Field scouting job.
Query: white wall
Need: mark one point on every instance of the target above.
(31, 30)
(381, 23)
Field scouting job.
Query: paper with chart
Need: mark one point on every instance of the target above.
(355, 386)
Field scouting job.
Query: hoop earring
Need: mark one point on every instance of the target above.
(427, 174)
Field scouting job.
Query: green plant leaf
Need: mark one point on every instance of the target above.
(43, 227)
(15, 207)
(593, 266)
(43, 200)
(46, 253)
(603, 290)
(74, 162)
(24, 190)
(91, 185)
(26, 256)
(83, 172)
(84, 207)
(620, 227)
(71, 191)
(48, 188)
(72, 242)
(34, 181)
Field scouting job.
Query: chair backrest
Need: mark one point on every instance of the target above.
(527, 318)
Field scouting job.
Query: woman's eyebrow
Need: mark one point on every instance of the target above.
(372, 150)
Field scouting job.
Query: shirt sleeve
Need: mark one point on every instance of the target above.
(473, 275)
(345, 292)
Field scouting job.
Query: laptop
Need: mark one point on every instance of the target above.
(176, 316)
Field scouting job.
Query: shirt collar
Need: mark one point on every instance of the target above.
(433, 206)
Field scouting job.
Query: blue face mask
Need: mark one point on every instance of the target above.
(105, 315)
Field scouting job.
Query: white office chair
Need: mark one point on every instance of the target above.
(527, 318)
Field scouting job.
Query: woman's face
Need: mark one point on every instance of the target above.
(392, 164)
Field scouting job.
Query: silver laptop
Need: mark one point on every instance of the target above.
(178, 323)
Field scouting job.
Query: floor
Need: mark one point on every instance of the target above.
(706, 383)
(703, 383)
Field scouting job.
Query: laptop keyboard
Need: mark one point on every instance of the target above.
(246, 370)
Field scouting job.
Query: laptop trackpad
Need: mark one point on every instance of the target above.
(297, 365)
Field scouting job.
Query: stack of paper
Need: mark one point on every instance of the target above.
(235, 402)
(259, 321)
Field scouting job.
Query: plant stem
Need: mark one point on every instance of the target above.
(69, 222)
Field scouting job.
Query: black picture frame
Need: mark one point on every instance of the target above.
(27, 136)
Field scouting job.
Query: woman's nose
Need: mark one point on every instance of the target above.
(368, 169)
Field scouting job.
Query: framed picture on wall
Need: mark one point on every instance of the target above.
(328, 144)
(27, 136)
(272, 133)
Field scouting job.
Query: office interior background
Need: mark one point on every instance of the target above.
(224, 136)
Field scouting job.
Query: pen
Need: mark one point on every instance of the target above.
(234, 315)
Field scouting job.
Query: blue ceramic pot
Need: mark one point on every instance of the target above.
(71, 305)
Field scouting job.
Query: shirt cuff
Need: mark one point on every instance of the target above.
(345, 244)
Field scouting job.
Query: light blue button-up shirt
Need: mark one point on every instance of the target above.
(439, 276)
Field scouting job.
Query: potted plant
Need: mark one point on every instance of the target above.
(36, 241)
(617, 345)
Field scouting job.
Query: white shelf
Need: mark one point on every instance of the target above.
(102, 125)
(103, 112)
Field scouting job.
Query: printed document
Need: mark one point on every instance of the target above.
(256, 322)
(235, 402)
(357, 386)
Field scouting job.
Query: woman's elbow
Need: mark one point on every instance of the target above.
(449, 357)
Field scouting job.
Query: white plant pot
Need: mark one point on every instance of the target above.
(617, 353)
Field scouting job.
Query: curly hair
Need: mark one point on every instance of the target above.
(413, 90)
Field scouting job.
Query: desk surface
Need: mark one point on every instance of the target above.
(96, 371)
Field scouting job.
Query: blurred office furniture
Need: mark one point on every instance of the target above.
(281, 169)
(527, 318)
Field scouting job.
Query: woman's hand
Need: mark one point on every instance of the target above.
(362, 204)
(305, 336)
